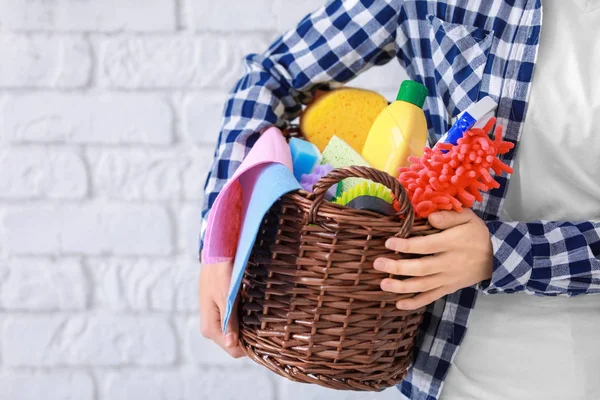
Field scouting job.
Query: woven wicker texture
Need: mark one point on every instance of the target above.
(311, 307)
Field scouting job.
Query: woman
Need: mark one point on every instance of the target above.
(517, 345)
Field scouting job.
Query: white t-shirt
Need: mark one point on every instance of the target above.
(519, 346)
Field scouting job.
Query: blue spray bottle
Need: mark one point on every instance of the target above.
(475, 116)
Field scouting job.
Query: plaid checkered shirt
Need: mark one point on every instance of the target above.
(461, 50)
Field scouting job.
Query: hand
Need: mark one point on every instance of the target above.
(214, 286)
(459, 256)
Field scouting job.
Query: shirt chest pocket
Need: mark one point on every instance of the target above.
(459, 54)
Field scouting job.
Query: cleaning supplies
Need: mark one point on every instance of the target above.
(340, 154)
(226, 215)
(305, 156)
(365, 188)
(308, 181)
(263, 186)
(346, 112)
(453, 180)
(476, 116)
(373, 204)
(368, 196)
(399, 131)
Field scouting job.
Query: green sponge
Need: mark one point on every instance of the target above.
(340, 154)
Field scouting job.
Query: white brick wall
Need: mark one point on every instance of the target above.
(109, 114)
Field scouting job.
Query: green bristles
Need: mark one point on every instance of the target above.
(365, 188)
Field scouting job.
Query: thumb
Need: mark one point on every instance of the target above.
(450, 219)
(232, 329)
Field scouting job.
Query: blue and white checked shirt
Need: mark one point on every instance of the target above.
(461, 50)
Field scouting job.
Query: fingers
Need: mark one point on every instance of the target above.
(439, 242)
(214, 283)
(231, 336)
(210, 327)
(450, 219)
(422, 299)
(208, 313)
(415, 267)
(232, 331)
(210, 322)
(235, 351)
(430, 244)
(413, 285)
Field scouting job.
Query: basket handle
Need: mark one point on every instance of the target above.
(372, 174)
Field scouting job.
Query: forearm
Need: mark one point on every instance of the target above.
(545, 258)
(278, 82)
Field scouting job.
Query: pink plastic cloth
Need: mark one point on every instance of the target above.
(225, 218)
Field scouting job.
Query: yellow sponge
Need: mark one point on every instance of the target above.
(347, 113)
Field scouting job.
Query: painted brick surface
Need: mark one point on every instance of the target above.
(109, 116)
(89, 15)
(63, 385)
(106, 118)
(42, 284)
(88, 229)
(44, 61)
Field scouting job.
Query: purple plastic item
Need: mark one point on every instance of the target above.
(308, 180)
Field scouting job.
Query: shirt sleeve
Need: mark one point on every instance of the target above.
(545, 258)
(327, 48)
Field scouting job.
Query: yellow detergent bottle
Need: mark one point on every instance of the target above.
(399, 131)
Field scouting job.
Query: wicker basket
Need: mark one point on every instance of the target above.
(311, 306)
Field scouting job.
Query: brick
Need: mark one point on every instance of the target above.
(253, 383)
(175, 62)
(138, 174)
(46, 340)
(190, 219)
(190, 384)
(205, 352)
(41, 173)
(84, 118)
(194, 176)
(138, 285)
(144, 385)
(89, 229)
(88, 15)
(242, 15)
(41, 284)
(289, 13)
(150, 174)
(44, 61)
(203, 114)
(298, 391)
(63, 385)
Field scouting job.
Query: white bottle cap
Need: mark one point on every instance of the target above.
(482, 108)
(483, 120)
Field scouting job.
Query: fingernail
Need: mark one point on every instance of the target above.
(379, 264)
(230, 340)
(435, 216)
(394, 244)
